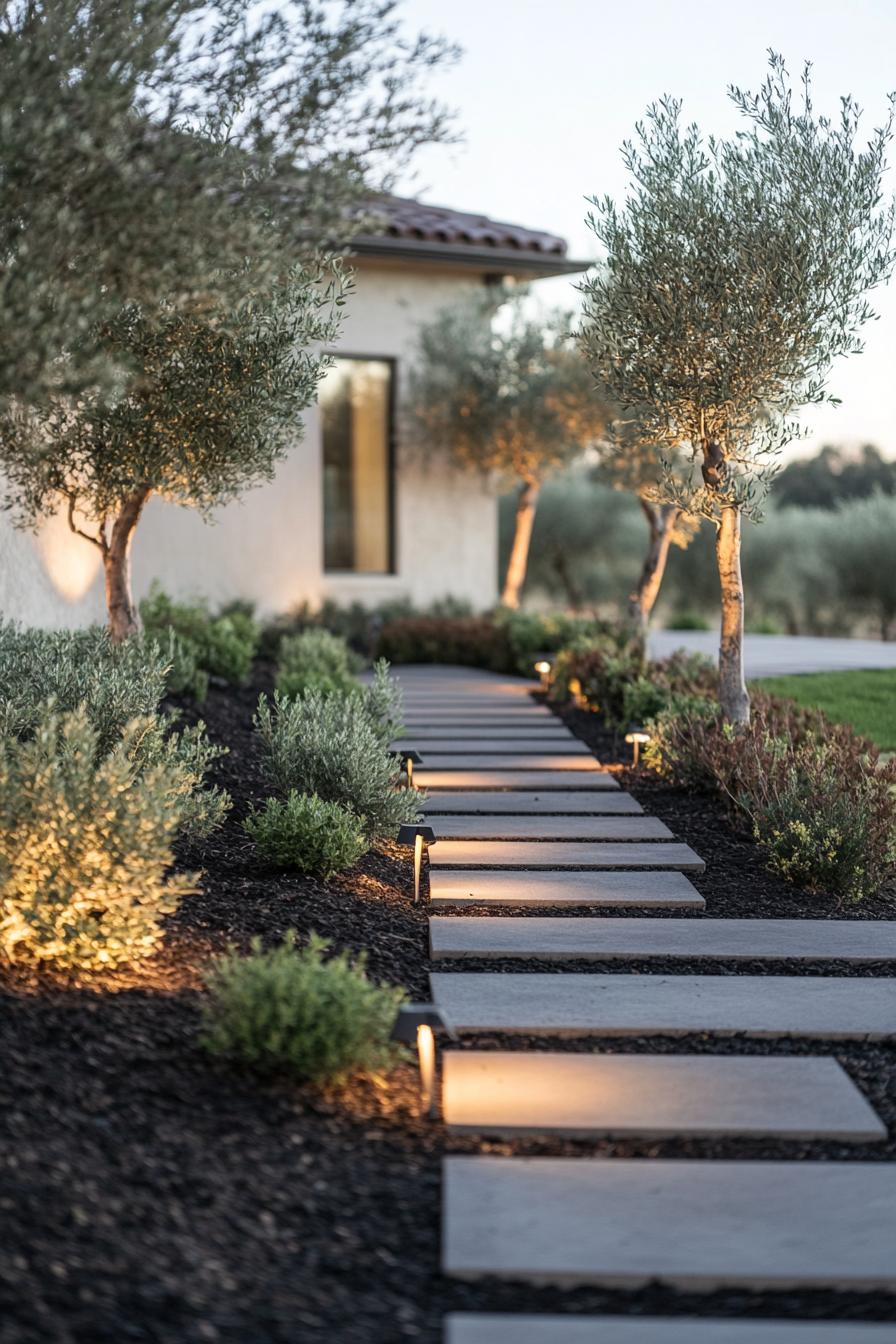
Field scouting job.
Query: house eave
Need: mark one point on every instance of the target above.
(490, 261)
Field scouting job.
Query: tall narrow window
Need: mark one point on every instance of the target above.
(356, 411)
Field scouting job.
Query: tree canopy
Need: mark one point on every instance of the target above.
(183, 149)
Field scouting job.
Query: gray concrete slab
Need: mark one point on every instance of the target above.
(529, 827)
(497, 802)
(483, 778)
(502, 1092)
(691, 1224)
(645, 890)
(533, 738)
(590, 939)
(507, 1328)
(479, 744)
(538, 720)
(534, 760)
(563, 854)
(545, 1003)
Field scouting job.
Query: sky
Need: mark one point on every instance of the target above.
(547, 90)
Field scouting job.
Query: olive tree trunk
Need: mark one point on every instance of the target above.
(515, 576)
(661, 522)
(123, 618)
(733, 697)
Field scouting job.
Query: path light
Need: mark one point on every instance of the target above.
(637, 736)
(543, 668)
(415, 1022)
(408, 760)
(413, 834)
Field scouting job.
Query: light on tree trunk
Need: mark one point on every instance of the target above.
(415, 1023)
(637, 737)
(416, 835)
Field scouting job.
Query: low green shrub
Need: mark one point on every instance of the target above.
(315, 660)
(826, 816)
(114, 684)
(329, 745)
(295, 1013)
(222, 645)
(467, 641)
(85, 846)
(303, 831)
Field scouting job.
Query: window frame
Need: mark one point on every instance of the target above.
(391, 472)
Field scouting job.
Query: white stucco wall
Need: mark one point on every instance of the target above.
(269, 546)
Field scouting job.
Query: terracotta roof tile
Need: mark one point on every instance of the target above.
(400, 218)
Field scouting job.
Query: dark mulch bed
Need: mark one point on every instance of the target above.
(149, 1194)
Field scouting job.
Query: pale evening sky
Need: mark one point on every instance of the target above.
(547, 92)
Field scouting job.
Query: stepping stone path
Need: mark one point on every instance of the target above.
(522, 802)
(692, 1224)
(525, 817)
(505, 1092)
(852, 940)
(547, 1004)
(495, 887)
(567, 854)
(513, 1329)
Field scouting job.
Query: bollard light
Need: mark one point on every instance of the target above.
(415, 835)
(637, 737)
(408, 760)
(543, 668)
(415, 1023)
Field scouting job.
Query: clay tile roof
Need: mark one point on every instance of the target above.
(438, 223)
(412, 231)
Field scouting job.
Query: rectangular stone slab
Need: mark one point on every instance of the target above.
(563, 854)
(498, 802)
(509, 827)
(538, 732)
(545, 1003)
(590, 939)
(503, 1092)
(480, 778)
(669, 890)
(484, 746)
(533, 760)
(691, 1224)
(508, 1328)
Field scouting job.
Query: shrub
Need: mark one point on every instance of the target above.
(114, 684)
(290, 1012)
(303, 831)
(328, 745)
(315, 660)
(826, 817)
(222, 645)
(602, 670)
(470, 641)
(85, 845)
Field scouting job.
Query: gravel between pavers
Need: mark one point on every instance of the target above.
(149, 1194)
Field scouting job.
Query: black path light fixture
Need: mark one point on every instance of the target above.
(416, 834)
(415, 1023)
(636, 737)
(408, 760)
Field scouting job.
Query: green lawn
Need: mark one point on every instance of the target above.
(866, 699)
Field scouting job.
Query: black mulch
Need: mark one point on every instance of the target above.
(148, 1194)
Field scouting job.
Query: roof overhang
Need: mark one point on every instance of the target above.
(489, 261)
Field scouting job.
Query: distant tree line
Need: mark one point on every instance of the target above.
(834, 475)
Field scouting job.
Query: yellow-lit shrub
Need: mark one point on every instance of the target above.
(85, 847)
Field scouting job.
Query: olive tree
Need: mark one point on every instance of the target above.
(505, 393)
(181, 148)
(736, 271)
(213, 405)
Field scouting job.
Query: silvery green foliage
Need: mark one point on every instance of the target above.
(303, 832)
(384, 703)
(315, 660)
(504, 391)
(182, 148)
(329, 745)
(736, 272)
(115, 685)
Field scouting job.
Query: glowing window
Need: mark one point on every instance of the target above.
(356, 413)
